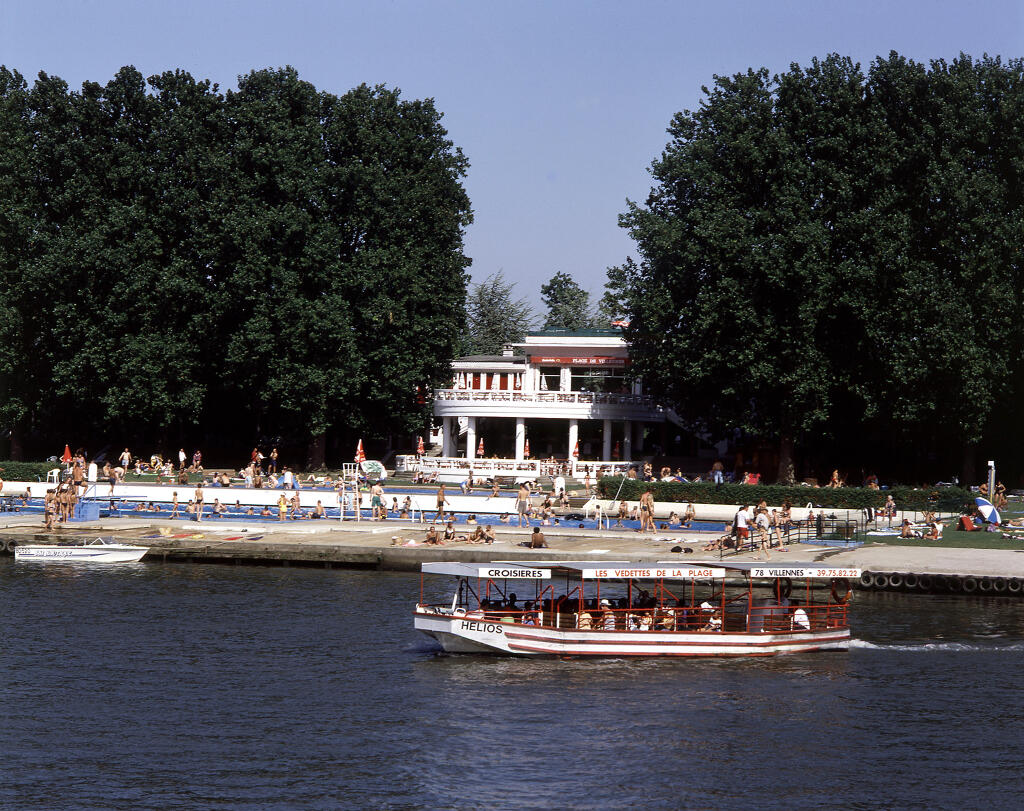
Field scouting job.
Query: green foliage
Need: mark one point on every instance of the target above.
(493, 317)
(268, 260)
(826, 251)
(11, 471)
(838, 498)
(568, 304)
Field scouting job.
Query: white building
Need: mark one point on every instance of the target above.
(565, 388)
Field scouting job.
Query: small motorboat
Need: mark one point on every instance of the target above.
(98, 550)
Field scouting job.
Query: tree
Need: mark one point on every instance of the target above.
(791, 212)
(568, 304)
(493, 317)
(266, 262)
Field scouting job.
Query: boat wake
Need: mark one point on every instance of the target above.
(955, 647)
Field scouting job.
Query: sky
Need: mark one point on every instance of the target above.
(560, 107)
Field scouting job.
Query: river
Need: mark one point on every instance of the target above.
(184, 686)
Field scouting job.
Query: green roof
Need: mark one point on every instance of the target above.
(574, 333)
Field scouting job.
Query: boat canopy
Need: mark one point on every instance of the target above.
(789, 569)
(632, 570)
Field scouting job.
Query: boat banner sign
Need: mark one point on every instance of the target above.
(515, 573)
(672, 572)
(807, 571)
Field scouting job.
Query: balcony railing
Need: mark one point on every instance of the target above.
(544, 397)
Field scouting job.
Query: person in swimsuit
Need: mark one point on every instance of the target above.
(199, 503)
(523, 504)
(441, 501)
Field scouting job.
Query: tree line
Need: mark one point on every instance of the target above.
(180, 264)
(830, 260)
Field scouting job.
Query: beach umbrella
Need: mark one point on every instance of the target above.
(480, 447)
(615, 451)
(576, 450)
(66, 458)
(988, 512)
(526, 449)
(419, 446)
(360, 455)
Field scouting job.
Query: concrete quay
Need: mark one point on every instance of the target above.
(369, 545)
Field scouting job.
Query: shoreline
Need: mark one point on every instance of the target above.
(368, 545)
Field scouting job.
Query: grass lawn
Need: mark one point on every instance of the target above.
(953, 538)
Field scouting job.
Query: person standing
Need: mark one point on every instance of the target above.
(200, 500)
(741, 526)
(174, 504)
(717, 472)
(282, 507)
(647, 511)
(272, 464)
(181, 459)
(441, 501)
(523, 504)
(49, 503)
(125, 459)
(197, 461)
(377, 501)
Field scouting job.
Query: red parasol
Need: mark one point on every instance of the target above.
(419, 446)
(576, 450)
(66, 458)
(360, 456)
(480, 447)
(526, 449)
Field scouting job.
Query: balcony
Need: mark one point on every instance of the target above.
(546, 404)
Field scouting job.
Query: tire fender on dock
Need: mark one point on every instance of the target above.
(969, 585)
(1014, 585)
(985, 585)
(867, 579)
(999, 585)
(895, 580)
(879, 581)
(910, 580)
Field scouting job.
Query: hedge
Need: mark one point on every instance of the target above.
(947, 499)
(25, 471)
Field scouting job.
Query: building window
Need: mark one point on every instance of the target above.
(550, 378)
(607, 380)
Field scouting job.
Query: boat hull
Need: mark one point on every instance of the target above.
(476, 634)
(107, 553)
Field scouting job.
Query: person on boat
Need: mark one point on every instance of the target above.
(714, 622)
(537, 540)
(583, 620)
(529, 615)
(607, 620)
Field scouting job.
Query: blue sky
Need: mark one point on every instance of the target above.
(559, 106)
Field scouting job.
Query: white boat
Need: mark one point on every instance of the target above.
(630, 609)
(98, 550)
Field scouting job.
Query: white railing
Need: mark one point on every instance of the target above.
(532, 469)
(544, 397)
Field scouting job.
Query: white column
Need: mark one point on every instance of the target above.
(606, 435)
(471, 439)
(446, 436)
(520, 438)
(574, 437)
(627, 443)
